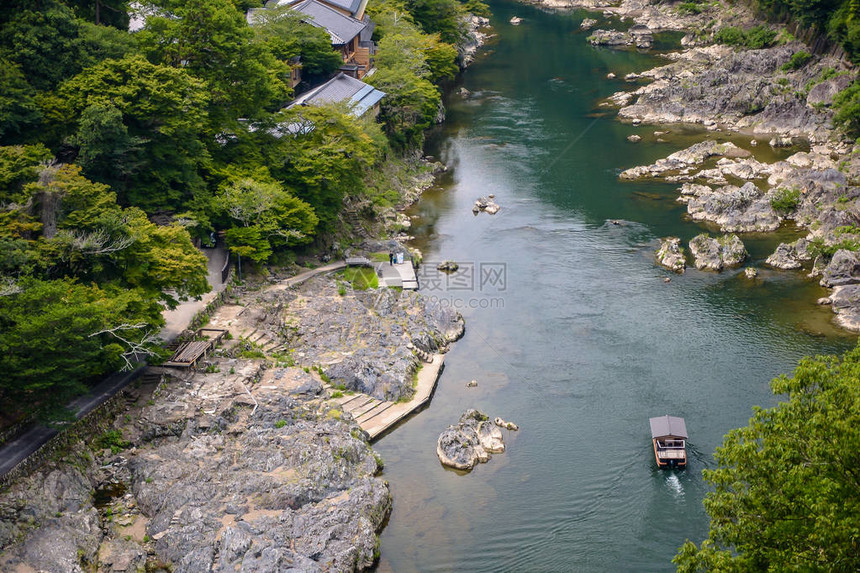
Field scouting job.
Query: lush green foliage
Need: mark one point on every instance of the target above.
(847, 104)
(787, 491)
(754, 38)
(785, 200)
(797, 61)
(103, 132)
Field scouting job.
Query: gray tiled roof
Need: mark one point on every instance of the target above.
(351, 5)
(343, 88)
(340, 27)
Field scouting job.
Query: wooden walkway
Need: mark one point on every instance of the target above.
(187, 355)
(377, 417)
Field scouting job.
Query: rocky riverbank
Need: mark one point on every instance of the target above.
(769, 95)
(247, 464)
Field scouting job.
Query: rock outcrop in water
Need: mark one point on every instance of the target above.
(471, 440)
(715, 254)
(636, 36)
(671, 255)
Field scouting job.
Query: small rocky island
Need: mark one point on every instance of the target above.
(471, 441)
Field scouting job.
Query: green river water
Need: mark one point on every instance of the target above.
(572, 332)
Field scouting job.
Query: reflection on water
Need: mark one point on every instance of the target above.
(589, 341)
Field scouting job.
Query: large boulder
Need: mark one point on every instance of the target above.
(470, 441)
(717, 253)
(671, 255)
(843, 269)
(846, 305)
(735, 209)
(790, 255)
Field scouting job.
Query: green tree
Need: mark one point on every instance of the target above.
(325, 160)
(164, 111)
(847, 105)
(53, 339)
(102, 12)
(19, 111)
(443, 17)
(44, 43)
(288, 37)
(787, 489)
(410, 106)
(86, 235)
(266, 216)
(212, 41)
(107, 152)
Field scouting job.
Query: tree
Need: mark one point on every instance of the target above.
(325, 161)
(787, 490)
(164, 111)
(444, 17)
(287, 37)
(212, 41)
(44, 43)
(49, 346)
(410, 106)
(847, 105)
(269, 217)
(107, 152)
(18, 108)
(102, 12)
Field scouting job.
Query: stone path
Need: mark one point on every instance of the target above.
(178, 319)
(377, 417)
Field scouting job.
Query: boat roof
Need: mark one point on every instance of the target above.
(663, 426)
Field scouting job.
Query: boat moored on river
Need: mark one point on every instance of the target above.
(669, 437)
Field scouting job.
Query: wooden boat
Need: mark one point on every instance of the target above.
(669, 436)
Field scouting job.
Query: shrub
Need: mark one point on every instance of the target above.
(785, 200)
(755, 38)
(797, 61)
(689, 8)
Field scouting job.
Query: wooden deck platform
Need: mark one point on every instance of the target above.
(377, 416)
(187, 355)
(397, 275)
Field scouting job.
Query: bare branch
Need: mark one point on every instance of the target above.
(8, 287)
(139, 348)
(97, 242)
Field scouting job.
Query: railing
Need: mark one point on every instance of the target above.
(225, 270)
(670, 444)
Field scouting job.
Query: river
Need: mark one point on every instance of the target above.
(571, 331)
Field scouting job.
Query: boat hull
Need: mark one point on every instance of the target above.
(669, 459)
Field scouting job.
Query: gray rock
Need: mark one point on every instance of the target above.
(692, 156)
(670, 255)
(486, 204)
(785, 257)
(750, 272)
(735, 209)
(587, 24)
(737, 89)
(822, 93)
(717, 253)
(843, 269)
(634, 138)
(846, 305)
(470, 441)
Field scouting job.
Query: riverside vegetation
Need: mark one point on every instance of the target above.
(785, 493)
(120, 153)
